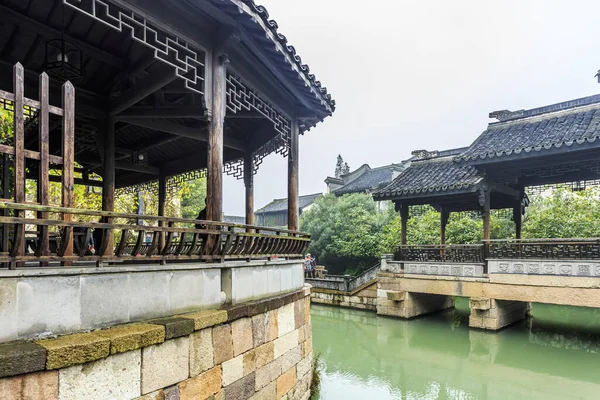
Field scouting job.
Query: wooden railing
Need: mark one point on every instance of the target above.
(568, 249)
(136, 237)
(467, 253)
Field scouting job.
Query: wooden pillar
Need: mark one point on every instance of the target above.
(68, 154)
(518, 212)
(108, 180)
(43, 183)
(444, 216)
(162, 202)
(293, 202)
(19, 140)
(484, 202)
(403, 209)
(249, 185)
(214, 185)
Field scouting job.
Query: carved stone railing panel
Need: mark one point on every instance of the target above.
(565, 267)
(556, 249)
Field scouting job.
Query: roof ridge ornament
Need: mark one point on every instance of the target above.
(424, 154)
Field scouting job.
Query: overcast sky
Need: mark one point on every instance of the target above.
(424, 74)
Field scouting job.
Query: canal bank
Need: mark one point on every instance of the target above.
(552, 356)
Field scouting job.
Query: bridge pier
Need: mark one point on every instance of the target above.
(492, 314)
(409, 305)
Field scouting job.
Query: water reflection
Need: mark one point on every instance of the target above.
(438, 357)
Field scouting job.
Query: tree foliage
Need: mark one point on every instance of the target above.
(341, 167)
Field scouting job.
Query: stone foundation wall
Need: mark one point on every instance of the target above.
(255, 350)
(364, 298)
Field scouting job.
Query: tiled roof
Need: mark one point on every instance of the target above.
(424, 178)
(234, 219)
(370, 180)
(268, 31)
(278, 205)
(542, 130)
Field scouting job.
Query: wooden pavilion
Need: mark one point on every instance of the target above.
(150, 94)
(543, 146)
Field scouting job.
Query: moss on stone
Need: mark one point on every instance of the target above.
(207, 318)
(131, 337)
(74, 349)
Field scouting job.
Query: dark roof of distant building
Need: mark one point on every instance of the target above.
(540, 131)
(279, 205)
(371, 179)
(436, 173)
(234, 219)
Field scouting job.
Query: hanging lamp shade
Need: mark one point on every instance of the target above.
(63, 60)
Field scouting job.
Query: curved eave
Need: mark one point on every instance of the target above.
(427, 193)
(275, 45)
(547, 149)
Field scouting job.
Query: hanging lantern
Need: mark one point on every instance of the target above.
(63, 60)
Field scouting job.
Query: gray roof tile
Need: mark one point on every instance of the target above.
(281, 204)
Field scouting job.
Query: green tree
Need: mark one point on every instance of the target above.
(193, 198)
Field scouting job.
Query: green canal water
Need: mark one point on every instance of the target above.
(554, 355)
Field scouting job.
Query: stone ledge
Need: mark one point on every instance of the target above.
(132, 337)
(175, 326)
(395, 295)
(206, 318)
(75, 349)
(18, 358)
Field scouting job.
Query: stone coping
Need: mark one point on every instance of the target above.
(22, 357)
(445, 278)
(127, 268)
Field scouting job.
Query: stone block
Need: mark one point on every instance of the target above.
(18, 358)
(8, 309)
(34, 386)
(236, 311)
(172, 393)
(395, 295)
(304, 366)
(249, 362)
(301, 334)
(114, 377)
(285, 320)
(74, 349)
(35, 314)
(240, 390)
(269, 392)
(480, 303)
(258, 329)
(157, 395)
(267, 374)
(132, 337)
(165, 364)
(186, 290)
(241, 331)
(201, 351)
(222, 343)
(264, 354)
(271, 327)
(104, 300)
(285, 343)
(298, 313)
(291, 358)
(151, 295)
(233, 370)
(206, 318)
(175, 326)
(286, 382)
(307, 348)
(306, 310)
(202, 386)
(274, 279)
(242, 284)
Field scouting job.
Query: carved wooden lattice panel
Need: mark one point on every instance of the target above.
(188, 62)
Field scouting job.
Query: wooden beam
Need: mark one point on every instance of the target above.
(180, 130)
(293, 155)
(48, 32)
(124, 166)
(188, 111)
(144, 88)
(214, 184)
(497, 187)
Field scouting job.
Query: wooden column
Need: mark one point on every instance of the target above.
(19, 140)
(162, 202)
(293, 155)
(43, 169)
(214, 184)
(249, 184)
(403, 209)
(484, 202)
(444, 216)
(518, 218)
(108, 180)
(68, 170)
